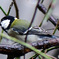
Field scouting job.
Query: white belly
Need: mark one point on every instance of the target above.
(30, 38)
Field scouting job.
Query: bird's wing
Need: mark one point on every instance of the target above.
(32, 31)
(18, 31)
(38, 31)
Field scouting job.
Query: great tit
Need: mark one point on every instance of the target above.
(18, 28)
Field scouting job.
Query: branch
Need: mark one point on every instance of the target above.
(44, 11)
(49, 12)
(32, 19)
(31, 22)
(18, 50)
(11, 50)
(34, 14)
(9, 8)
(3, 10)
(26, 45)
(16, 8)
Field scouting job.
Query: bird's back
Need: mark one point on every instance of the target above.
(20, 24)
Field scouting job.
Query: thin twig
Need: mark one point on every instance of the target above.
(48, 13)
(32, 21)
(1, 36)
(56, 27)
(9, 8)
(32, 18)
(3, 11)
(34, 14)
(55, 47)
(34, 56)
(44, 11)
(16, 9)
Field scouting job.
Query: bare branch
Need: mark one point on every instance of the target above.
(10, 8)
(18, 50)
(44, 11)
(16, 9)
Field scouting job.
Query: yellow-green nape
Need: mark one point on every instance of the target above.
(18, 23)
(14, 22)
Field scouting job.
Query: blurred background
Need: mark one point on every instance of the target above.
(26, 10)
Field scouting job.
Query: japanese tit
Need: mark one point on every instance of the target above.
(18, 28)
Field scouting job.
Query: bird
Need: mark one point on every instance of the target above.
(20, 28)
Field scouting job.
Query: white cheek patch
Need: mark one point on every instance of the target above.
(5, 23)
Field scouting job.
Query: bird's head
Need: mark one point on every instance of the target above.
(6, 22)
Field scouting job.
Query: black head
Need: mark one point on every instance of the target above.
(6, 22)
